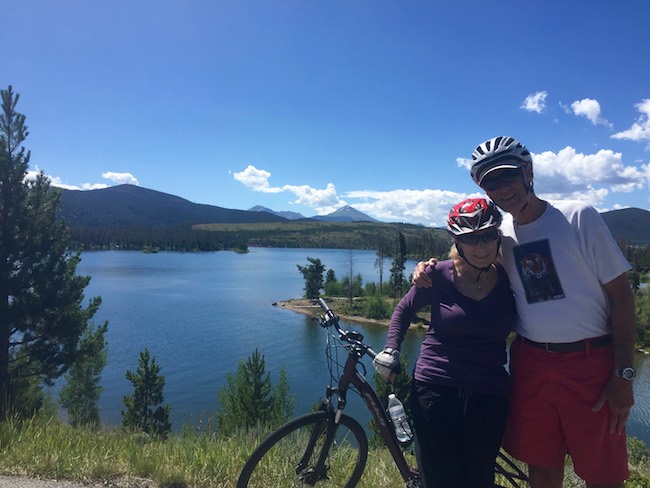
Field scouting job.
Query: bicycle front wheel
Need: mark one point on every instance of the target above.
(289, 457)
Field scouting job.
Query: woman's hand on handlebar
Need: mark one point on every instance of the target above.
(387, 363)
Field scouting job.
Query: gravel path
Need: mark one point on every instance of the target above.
(25, 482)
(22, 482)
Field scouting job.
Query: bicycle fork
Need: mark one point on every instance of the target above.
(306, 473)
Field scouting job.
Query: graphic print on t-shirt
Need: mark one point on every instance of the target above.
(537, 272)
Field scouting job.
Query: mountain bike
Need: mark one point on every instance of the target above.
(329, 448)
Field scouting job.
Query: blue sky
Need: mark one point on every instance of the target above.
(309, 105)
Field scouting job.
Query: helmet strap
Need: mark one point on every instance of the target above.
(461, 253)
(529, 195)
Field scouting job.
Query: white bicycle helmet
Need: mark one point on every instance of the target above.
(501, 152)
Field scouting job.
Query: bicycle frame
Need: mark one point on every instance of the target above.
(351, 376)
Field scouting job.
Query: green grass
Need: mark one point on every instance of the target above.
(49, 448)
(52, 449)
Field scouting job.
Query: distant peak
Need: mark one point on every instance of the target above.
(347, 214)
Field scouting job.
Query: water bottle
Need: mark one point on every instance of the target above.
(400, 422)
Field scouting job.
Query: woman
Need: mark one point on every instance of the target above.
(459, 392)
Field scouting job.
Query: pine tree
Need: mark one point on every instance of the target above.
(283, 401)
(313, 275)
(42, 316)
(250, 399)
(331, 287)
(144, 410)
(80, 394)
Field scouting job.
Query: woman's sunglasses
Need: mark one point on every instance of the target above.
(473, 239)
(506, 177)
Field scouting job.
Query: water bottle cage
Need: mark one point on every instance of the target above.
(406, 427)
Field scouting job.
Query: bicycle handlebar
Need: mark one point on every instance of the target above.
(351, 337)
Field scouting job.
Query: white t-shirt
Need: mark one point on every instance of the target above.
(557, 266)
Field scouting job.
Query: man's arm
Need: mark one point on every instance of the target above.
(618, 392)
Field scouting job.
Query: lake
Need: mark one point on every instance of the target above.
(201, 314)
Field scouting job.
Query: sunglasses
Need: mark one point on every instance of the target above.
(507, 177)
(473, 239)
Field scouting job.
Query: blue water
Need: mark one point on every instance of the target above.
(201, 314)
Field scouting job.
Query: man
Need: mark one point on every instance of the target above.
(571, 362)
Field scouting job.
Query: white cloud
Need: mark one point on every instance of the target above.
(95, 186)
(119, 178)
(464, 163)
(256, 179)
(645, 169)
(57, 182)
(588, 195)
(426, 207)
(323, 201)
(640, 130)
(588, 177)
(569, 175)
(564, 175)
(591, 110)
(535, 102)
(31, 175)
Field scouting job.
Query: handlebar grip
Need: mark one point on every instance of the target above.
(323, 304)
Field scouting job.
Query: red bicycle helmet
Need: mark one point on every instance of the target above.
(471, 215)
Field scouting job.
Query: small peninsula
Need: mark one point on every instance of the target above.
(311, 307)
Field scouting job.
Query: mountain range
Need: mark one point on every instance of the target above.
(629, 224)
(343, 214)
(134, 206)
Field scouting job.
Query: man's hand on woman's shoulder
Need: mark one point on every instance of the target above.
(420, 278)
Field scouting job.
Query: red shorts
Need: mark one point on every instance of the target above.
(551, 412)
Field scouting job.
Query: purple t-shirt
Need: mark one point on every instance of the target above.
(465, 345)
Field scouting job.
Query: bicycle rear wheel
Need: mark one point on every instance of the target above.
(289, 456)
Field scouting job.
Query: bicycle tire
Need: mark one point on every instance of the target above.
(274, 463)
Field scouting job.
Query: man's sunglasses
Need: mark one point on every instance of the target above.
(506, 177)
(472, 239)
